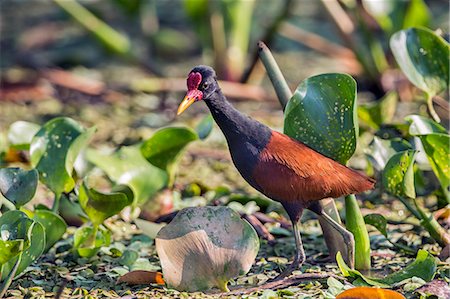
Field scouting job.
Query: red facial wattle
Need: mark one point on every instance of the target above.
(193, 94)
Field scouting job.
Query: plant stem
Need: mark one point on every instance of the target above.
(55, 206)
(433, 227)
(356, 225)
(223, 285)
(10, 278)
(276, 76)
(431, 110)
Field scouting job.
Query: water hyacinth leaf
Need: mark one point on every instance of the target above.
(21, 133)
(322, 114)
(54, 149)
(381, 150)
(382, 112)
(88, 241)
(138, 277)
(19, 226)
(18, 185)
(398, 175)
(369, 293)
(378, 221)
(424, 58)
(206, 247)
(420, 125)
(100, 206)
(128, 167)
(165, 146)
(348, 272)
(54, 226)
(9, 249)
(205, 127)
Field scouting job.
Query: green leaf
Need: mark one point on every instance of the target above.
(378, 221)
(128, 167)
(424, 58)
(88, 241)
(9, 249)
(322, 114)
(54, 226)
(18, 185)
(19, 226)
(435, 141)
(381, 150)
(100, 206)
(21, 133)
(424, 267)
(381, 112)
(205, 127)
(165, 146)
(54, 149)
(398, 175)
(128, 258)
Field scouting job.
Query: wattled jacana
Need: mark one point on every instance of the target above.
(278, 166)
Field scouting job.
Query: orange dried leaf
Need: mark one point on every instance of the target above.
(369, 293)
(142, 277)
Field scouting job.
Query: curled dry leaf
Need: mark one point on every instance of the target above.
(141, 277)
(206, 247)
(369, 293)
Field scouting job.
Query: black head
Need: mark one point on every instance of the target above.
(201, 84)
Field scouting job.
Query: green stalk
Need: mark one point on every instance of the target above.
(356, 225)
(332, 237)
(431, 110)
(55, 206)
(102, 31)
(10, 278)
(433, 227)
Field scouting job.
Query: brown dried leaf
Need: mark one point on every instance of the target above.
(142, 277)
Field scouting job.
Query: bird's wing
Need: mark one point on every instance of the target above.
(288, 170)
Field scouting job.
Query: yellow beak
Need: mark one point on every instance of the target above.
(191, 97)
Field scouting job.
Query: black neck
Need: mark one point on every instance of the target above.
(236, 127)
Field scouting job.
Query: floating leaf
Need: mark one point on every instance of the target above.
(141, 277)
(205, 127)
(54, 226)
(322, 114)
(378, 221)
(435, 141)
(424, 267)
(128, 167)
(398, 175)
(205, 247)
(88, 241)
(19, 226)
(380, 112)
(424, 58)
(54, 149)
(165, 147)
(18, 185)
(381, 150)
(21, 133)
(369, 293)
(100, 206)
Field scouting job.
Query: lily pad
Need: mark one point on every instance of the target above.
(21, 133)
(100, 206)
(322, 114)
(128, 167)
(205, 247)
(398, 175)
(424, 58)
(54, 149)
(18, 185)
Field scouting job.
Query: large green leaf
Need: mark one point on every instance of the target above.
(424, 58)
(128, 167)
(381, 150)
(19, 226)
(424, 266)
(21, 133)
(322, 114)
(18, 185)
(88, 241)
(398, 175)
(54, 149)
(54, 226)
(435, 141)
(165, 146)
(100, 206)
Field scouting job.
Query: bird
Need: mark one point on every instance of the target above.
(280, 167)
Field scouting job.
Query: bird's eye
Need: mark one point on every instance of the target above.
(205, 85)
